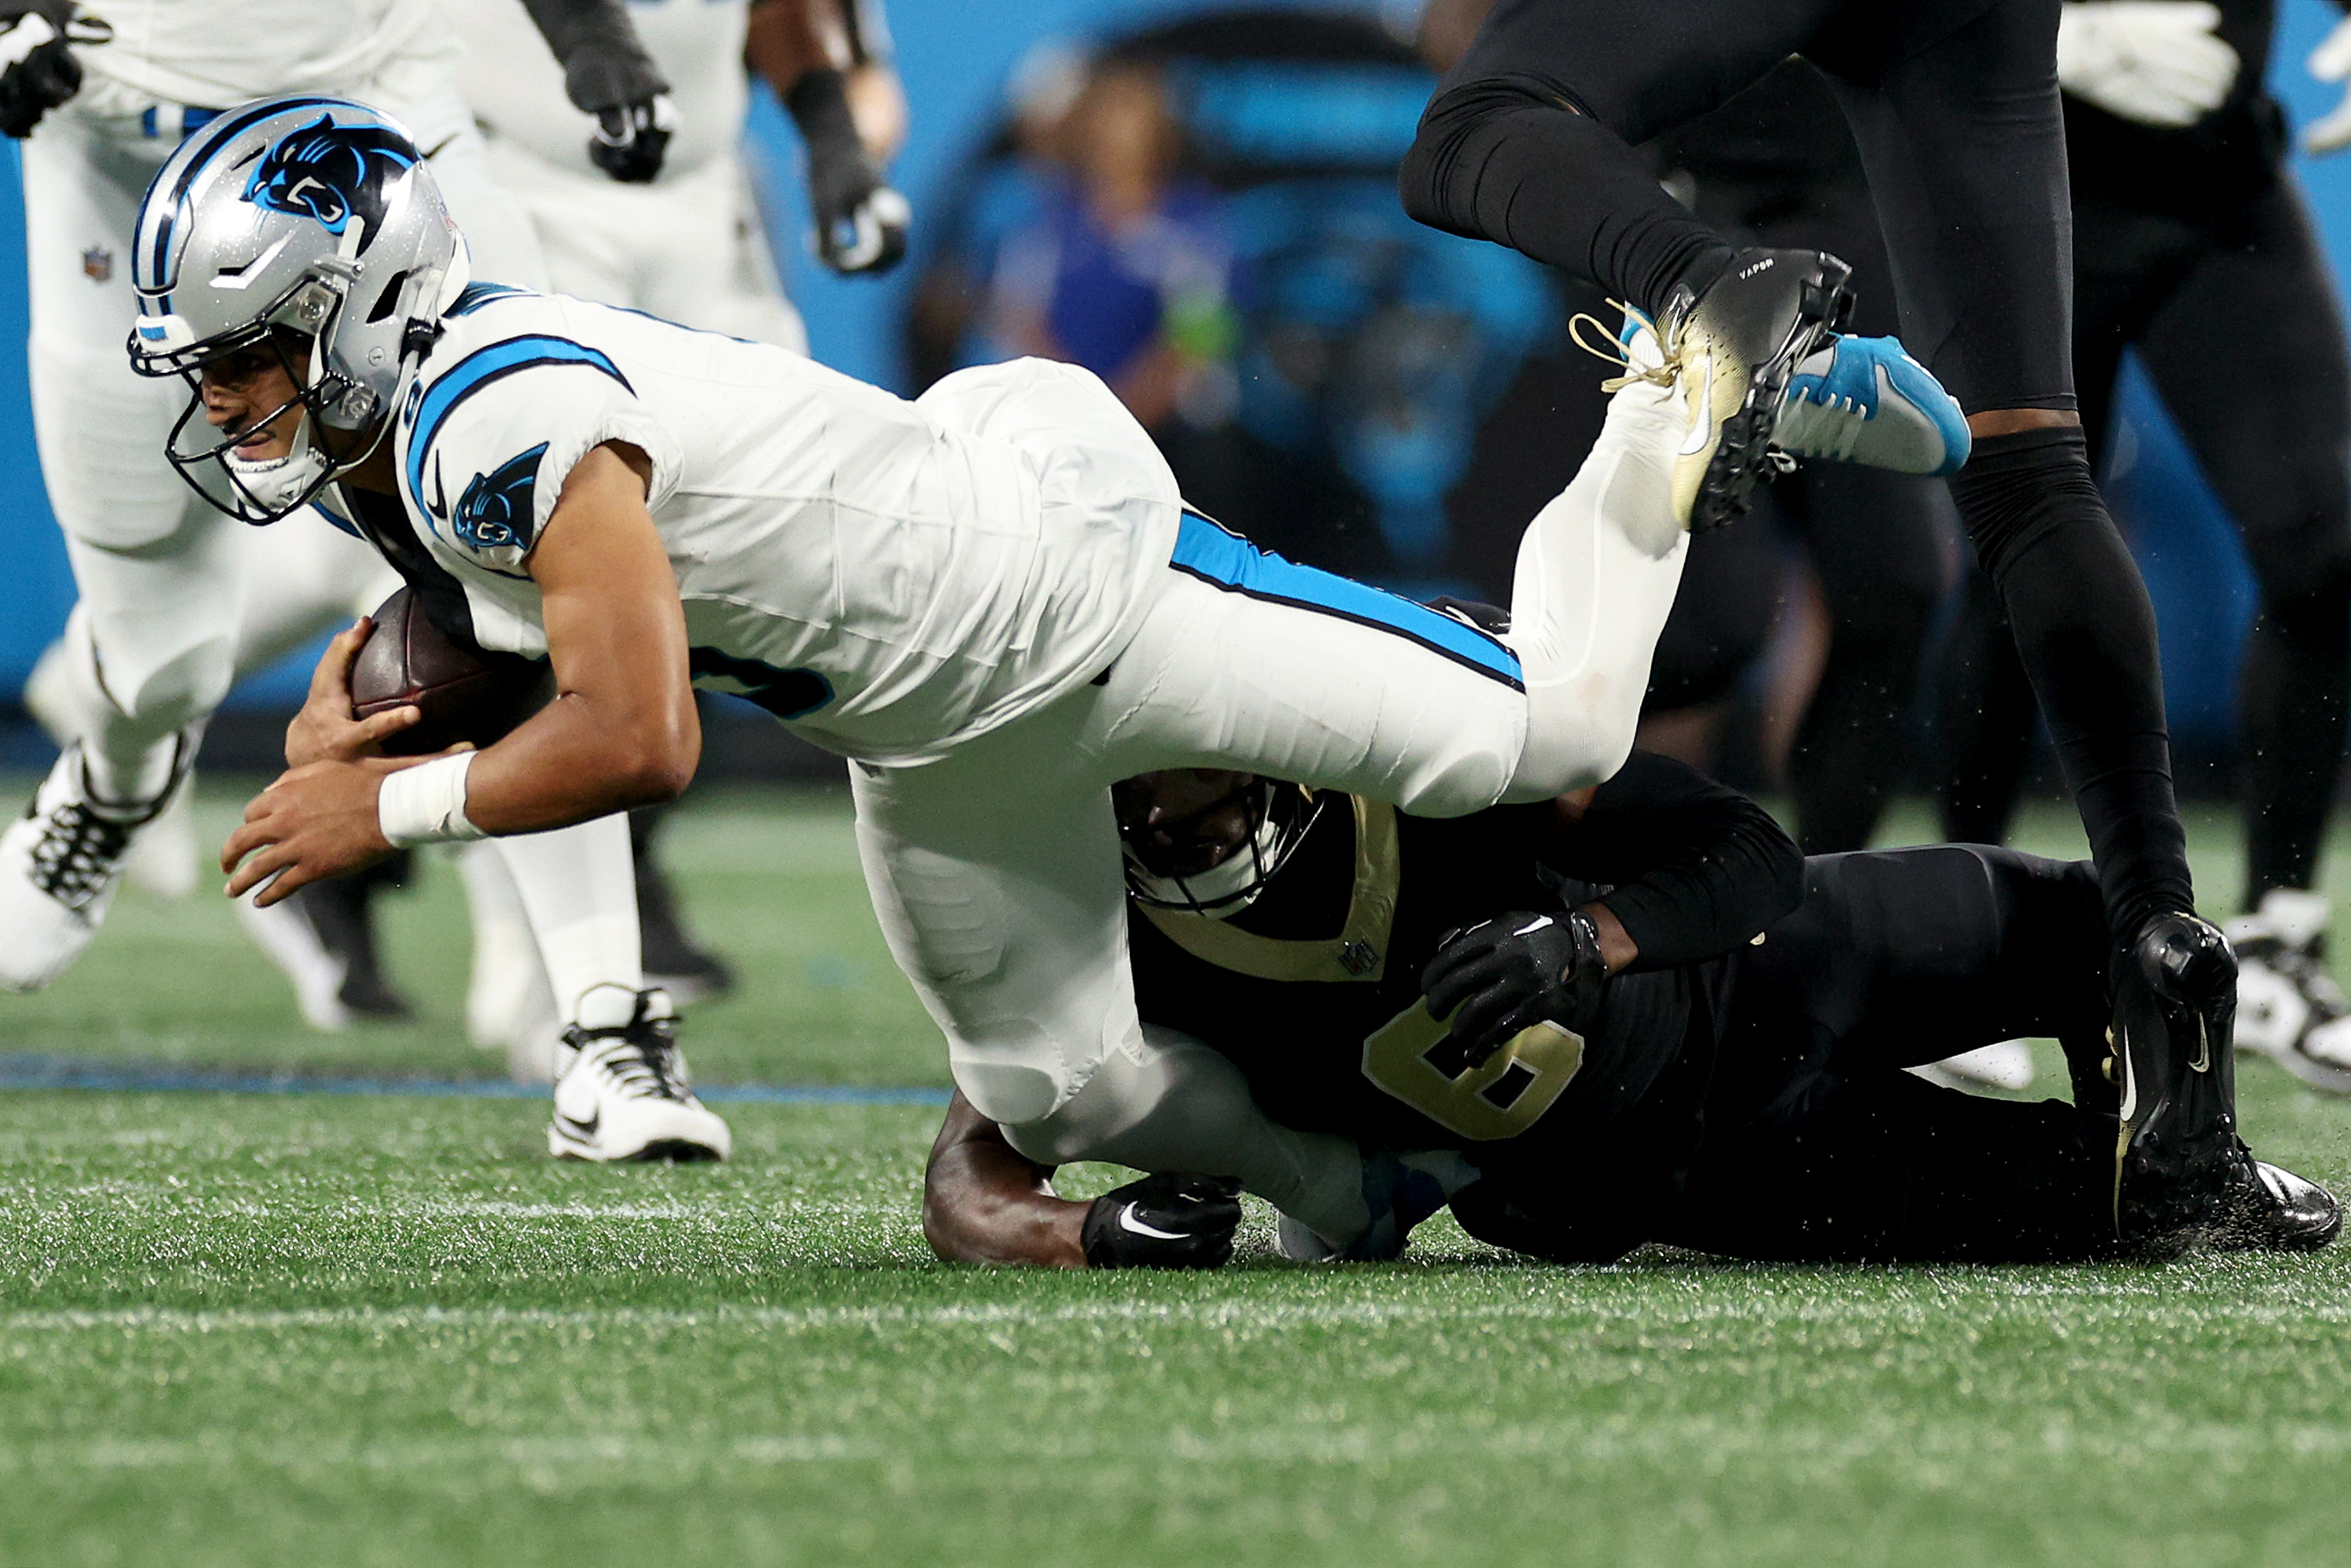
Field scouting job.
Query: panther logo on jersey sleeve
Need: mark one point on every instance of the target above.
(494, 511)
(332, 172)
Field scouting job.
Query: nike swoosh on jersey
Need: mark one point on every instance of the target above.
(1127, 1222)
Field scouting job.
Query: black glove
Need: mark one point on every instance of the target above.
(1510, 973)
(1164, 1222)
(860, 221)
(608, 74)
(44, 74)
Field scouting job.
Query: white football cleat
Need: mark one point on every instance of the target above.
(2289, 1008)
(162, 860)
(1863, 399)
(2006, 1064)
(624, 1093)
(60, 863)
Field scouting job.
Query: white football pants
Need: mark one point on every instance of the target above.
(995, 871)
(690, 249)
(177, 598)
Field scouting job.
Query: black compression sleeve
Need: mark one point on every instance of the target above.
(1699, 869)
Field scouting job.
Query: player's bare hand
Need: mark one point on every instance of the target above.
(325, 731)
(315, 822)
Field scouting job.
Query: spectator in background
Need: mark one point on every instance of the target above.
(1314, 364)
(1123, 263)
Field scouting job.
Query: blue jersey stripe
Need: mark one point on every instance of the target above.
(1216, 555)
(480, 368)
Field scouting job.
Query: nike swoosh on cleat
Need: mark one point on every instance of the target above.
(1127, 1221)
(2203, 1063)
(2130, 1079)
(1701, 432)
(578, 1128)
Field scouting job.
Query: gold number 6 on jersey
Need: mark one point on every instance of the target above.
(1499, 1099)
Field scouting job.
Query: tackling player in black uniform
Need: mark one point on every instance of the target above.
(2193, 248)
(1627, 1060)
(1529, 141)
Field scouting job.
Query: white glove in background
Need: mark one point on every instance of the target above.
(2158, 62)
(2331, 61)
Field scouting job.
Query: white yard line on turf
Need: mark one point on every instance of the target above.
(1209, 1314)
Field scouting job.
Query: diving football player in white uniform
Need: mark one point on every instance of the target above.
(162, 575)
(992, 599)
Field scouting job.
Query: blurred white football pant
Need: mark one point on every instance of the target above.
(169, 612)
(689, 249)
(161, 572)
(995, 871)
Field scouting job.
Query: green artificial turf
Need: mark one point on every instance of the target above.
(772, 881)
(354, 1331)
(249, 1330)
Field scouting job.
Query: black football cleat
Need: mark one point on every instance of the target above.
(1732, 350)
(2176, 1156)
(2271, 1209)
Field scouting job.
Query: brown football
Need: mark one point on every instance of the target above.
(467, 692)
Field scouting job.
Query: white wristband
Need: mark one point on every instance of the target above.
(426, 804)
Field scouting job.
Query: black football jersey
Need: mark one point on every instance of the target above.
(1313, 991)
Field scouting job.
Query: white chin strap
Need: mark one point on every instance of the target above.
(276, 482)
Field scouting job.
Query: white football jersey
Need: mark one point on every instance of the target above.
(889, 578)
(517, 88)
(215, 53)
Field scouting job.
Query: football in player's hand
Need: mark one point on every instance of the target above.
(464, 693)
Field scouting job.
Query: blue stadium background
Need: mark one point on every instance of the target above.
(955, 56)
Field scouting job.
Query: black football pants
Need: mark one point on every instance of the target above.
(1799, 1137)
(2235, 321)
(1819, 1146)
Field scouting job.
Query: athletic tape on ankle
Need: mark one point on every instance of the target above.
(426, 804)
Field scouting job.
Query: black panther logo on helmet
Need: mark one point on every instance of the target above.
(332, 172)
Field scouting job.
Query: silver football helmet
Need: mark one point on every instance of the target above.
(309, 228)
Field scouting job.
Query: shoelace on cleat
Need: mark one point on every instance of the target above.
(78, 853)
(1616, 353)
(641, 1061)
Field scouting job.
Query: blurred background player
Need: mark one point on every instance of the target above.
(163, 577)
(2193, 249)
(688, 245)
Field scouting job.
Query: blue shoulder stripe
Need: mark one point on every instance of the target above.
(480, 368)
(1216, 555)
